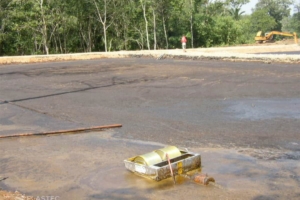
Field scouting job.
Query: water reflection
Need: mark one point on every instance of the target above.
(261, 109)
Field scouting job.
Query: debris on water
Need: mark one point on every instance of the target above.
(14, 196)
(4, 178)
(203, 179)
(168, 162)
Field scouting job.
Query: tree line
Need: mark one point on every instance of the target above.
(30, 27)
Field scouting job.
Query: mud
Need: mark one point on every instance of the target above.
(243, 118)
(50, 166)
(261, 109)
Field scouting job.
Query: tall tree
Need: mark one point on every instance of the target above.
(262, 21)
(55, 26)
(144, 4)
(3, 21)
(191, 9)
(297, 7)
(276, 9)
(44, 25)
(103, 16)
(236, 13)
(164, 12)
(292, 23)
(235, 8)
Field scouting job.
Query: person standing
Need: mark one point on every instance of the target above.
(183, 42)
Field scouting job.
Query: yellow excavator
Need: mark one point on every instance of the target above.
(260, 38)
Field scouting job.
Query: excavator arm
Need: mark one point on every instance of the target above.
(260, 38)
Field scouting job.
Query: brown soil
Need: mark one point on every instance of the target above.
(277, 46)
(279, 42)
(177, 98)
(5, 195)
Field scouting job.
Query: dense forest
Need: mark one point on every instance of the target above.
(30, 27)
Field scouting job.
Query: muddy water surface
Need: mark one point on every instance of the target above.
(244, 116)
(264, 109)
(90, 166)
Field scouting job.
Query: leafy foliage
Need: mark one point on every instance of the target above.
(54, 26)
(278, 9)
(262, 21)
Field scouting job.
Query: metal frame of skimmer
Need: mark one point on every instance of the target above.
(154, 165)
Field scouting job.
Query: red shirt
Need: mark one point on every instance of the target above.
(183, 40)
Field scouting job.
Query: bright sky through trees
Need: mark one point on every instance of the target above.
(248, 7)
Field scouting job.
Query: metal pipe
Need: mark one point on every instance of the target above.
(94, 128)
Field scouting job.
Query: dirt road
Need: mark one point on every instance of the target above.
(243, 117)
(275, 53)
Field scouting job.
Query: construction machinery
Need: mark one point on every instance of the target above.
(267, 37)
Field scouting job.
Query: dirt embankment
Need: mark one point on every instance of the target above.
(255, 52)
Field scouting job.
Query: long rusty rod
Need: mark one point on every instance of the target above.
(64, 131)
(172, 174)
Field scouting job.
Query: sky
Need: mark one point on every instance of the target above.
(247, 8)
